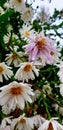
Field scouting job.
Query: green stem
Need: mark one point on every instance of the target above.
(46, 106)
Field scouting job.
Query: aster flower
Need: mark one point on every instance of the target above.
(44, 14)
(7, 37)
(1, 11)
(18, 5)
(22, 123)
(47, 89)
(26, 31)
(51, 124)
(15, 95)
(41, 47)
(14, 58)
(27, 14)
(26, 71)
(56, 56)
(38, 120)
(26, 123)
(36, 95)
(5, 71)
(6, 5)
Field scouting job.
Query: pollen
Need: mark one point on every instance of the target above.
(23, 121)
(40, 43)
(27, 33)
(17, 90)
(1, 69)
(14, 56)
(27, 68)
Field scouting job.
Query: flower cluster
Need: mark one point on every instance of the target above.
(31, 70)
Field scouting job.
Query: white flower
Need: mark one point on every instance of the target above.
(43, 14)
(22, 123)
(51, 124)
(26, 31)
(6, 121)
(26, 71)
(38, 120)
(14, 58)
(55, 106)
(60, 74)
(7, 5)
(18, 5)
(1, 11)
(36, 95)
(58, 108)
(5, 71)
(55, 56)
(61, 89)
(7, 37)
(47, 89)
(27, 14)
(15, 95)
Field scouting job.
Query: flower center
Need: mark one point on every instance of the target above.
(28, 12)
(19, 1)
(52, 53)
(27, 33)
(23, 121)
(50, 127)
(40, 43)
(27, 68)
(17, 90)
(14, 56)
(1, 69)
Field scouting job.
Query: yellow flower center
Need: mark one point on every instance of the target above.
(27, 33)
(40, 43)
(27, 68)
(23, 121)
(16, 90)
(14, 56)
(1, 69)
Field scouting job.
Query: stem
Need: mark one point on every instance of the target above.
(49, 96)
(46, 106)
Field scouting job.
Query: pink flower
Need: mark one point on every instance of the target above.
(42, 48)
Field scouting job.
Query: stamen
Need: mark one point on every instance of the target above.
(27, 68)
(19, 1)
(27, 33)
(23, 121)
(50, 127)
(14, 56)
(16, 90)
(1, 69)
(40, 43)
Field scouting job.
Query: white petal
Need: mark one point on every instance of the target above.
(21, 102)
